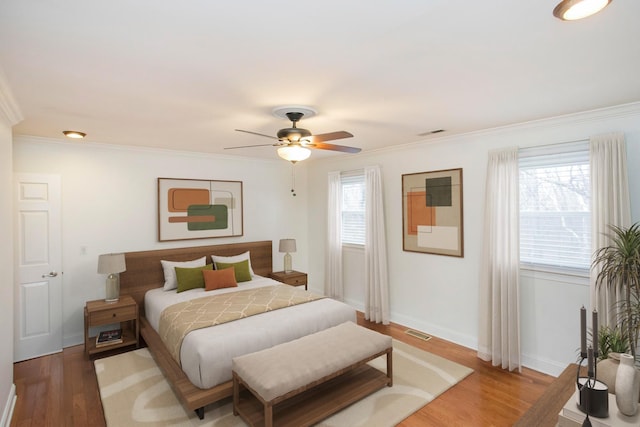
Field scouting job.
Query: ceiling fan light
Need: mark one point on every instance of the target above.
(294, 153)
(293, 134)
(571, 10)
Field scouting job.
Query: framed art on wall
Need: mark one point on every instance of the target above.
(198, 209)
(432, 212)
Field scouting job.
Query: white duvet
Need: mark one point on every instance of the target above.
(206, 353)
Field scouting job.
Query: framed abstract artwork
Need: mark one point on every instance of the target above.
(198, 209)
(432, 212)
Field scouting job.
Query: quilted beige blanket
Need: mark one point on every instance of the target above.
(177, 320)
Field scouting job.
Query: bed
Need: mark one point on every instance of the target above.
(206, 353)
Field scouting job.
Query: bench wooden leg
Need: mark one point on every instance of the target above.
(268, 415)
(236, 394)
(390, 367)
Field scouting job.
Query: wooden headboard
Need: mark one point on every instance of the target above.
(144, 271)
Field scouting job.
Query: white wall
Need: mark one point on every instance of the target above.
(439, 294)
(10, 115)
(7, 391)
(109, 204)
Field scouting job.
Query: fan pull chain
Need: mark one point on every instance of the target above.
(293, 179)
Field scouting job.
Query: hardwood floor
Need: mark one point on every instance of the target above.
(61, 389)
(57, 390)
(488, 397)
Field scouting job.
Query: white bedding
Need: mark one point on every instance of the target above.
(206, 353)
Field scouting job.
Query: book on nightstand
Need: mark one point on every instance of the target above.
(572, 416)
(113, 336)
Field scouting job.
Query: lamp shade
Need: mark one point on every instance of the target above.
(111, 263)
(287, 245)
(294, 153)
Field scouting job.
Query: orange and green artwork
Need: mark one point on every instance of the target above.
(432, 212)
(193, 209)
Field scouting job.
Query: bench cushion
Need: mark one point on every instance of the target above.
(276, 371)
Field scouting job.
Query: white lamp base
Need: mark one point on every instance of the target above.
(112, 288)
(288, 263)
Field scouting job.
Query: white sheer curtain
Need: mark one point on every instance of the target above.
(609, 206)
(376, 308)
(499, 329)
(333, 267)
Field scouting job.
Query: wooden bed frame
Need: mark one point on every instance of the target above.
(144, 272)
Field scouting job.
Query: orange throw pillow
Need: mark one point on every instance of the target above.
(218, 279)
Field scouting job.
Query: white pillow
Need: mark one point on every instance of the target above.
(169, 268)
(231, 259)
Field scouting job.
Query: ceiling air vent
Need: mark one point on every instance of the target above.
(431, 132)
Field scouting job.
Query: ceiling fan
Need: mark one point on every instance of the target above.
(294, 142)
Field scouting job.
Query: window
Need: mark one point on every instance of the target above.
(555, 207)
(353, 194)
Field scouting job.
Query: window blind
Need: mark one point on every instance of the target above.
(555, 206)
(353, 205)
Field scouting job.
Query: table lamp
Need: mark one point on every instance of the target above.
(287, 246)
(111, 264)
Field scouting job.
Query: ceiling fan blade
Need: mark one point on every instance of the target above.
(334, 147)
(330, 136)
(256, 133)
(250, 146)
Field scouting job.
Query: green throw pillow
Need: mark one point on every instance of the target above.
(191, 278)
(241, 268)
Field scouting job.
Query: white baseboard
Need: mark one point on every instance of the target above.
(426, 327)
(546, 366)
(358, 305)
(7, 413)
(435, 330)
(71, 340)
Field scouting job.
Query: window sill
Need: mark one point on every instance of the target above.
(352, 246)
(575, 276)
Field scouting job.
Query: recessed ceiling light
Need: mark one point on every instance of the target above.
(571, 10)
(74, 134)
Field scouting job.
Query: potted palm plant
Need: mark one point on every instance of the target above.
(620, 270)
(611, 341)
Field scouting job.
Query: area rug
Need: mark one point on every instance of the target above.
(135, 393)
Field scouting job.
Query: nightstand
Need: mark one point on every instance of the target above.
(295, 278)
(99, 312)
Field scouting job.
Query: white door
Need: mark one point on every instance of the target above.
(38, 295)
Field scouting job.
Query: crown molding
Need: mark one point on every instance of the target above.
(571, 119)
(589, 116)
(9, 109)
(89, 145)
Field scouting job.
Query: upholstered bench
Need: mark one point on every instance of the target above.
(303, 381)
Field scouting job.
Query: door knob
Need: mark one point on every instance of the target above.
(51, 274)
